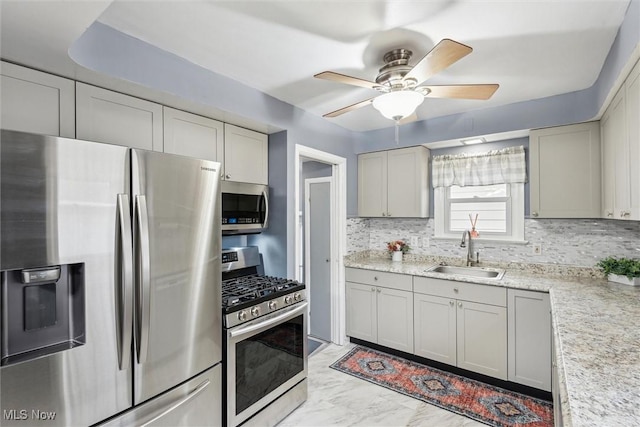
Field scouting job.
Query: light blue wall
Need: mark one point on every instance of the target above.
(115, 54)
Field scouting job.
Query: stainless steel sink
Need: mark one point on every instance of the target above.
(479, 272)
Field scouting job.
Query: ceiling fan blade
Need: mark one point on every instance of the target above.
(349, 108)
(483, 91)
(440, 57)
(342, 78)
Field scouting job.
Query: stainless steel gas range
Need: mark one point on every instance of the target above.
(265, 341)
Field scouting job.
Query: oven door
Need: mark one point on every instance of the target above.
(265, 358)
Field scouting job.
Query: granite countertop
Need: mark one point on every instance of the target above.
(596, 326)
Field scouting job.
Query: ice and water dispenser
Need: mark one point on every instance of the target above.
(43, 311)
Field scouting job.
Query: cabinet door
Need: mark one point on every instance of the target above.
(372, 184)
(246, 155)
(408, 182)
(114, 118)
(361, 312)
(529, 341)
(435, 328)
(36, 102)
(565, 171)
(395, 319)
(482, 338)
(618, 139)
(632, 87)
(194, 136)
(607, 134)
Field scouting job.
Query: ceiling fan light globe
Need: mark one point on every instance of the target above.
(398, 105)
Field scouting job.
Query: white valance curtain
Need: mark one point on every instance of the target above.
(505, 166)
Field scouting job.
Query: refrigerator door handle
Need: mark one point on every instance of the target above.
(142, 277)
(124, 281)
(195, 392)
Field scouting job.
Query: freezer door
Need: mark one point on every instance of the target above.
(195, 403)
(176, 204)
(59, 206)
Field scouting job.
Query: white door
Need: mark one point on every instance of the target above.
(318, 246)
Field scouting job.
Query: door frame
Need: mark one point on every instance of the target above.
(307, 235)
(338, 235)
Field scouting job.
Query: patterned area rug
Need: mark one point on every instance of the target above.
(485, 403)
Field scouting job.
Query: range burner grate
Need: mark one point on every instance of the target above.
(241, 290)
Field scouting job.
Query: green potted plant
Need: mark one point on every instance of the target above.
(621, 270)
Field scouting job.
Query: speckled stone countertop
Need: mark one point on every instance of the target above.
(596, 326)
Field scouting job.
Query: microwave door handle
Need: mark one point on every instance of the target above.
(142, 277)
(265, 194)
(124, 281)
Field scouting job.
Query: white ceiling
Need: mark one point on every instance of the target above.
(533, 49)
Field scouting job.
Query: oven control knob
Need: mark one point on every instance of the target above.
(287, 299)
(255, 311)
(273, 305)
(242, 316)
(297, 296)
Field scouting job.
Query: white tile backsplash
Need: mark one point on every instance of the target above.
(579, 242)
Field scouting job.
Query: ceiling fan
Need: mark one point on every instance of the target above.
(400, 83)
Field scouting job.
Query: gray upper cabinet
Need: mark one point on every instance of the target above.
(246, 155)
(192, 135)
(565, 171)
(394, 183)
(115, 118)
(32, 101)
(620, 132)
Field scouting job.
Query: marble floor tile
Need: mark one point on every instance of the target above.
(338, 399)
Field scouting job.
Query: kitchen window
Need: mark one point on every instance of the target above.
(482, 190)
(499, 209)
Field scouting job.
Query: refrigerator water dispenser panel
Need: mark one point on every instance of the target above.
(43, 310)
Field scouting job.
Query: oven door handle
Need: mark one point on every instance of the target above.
(266, 324)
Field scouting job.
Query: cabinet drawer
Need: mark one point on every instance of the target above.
(461, 290)
(379, 278)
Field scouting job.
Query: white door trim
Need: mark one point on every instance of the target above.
(307, 237)
(339, 243)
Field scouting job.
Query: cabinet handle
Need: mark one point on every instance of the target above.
(459, 304)
(388, 213)
(379, 290)
(624, 214)
(609, 213)
(373, 289)
(375, 278)
(384, 214)
(534, 214)
(227, 176)
(455, 290)
(451, 303)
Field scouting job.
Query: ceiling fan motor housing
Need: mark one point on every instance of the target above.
(396, 67)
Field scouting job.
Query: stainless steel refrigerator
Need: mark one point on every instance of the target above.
(110, 285)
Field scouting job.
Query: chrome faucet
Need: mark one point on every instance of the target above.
(466, 236)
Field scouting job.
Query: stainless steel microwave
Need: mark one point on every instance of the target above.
(245, 208)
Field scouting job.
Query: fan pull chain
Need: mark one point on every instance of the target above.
(397, 132)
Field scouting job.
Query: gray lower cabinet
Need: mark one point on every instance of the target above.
(380, 308)
(529, 319)
(461, 324)
(495, 331)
